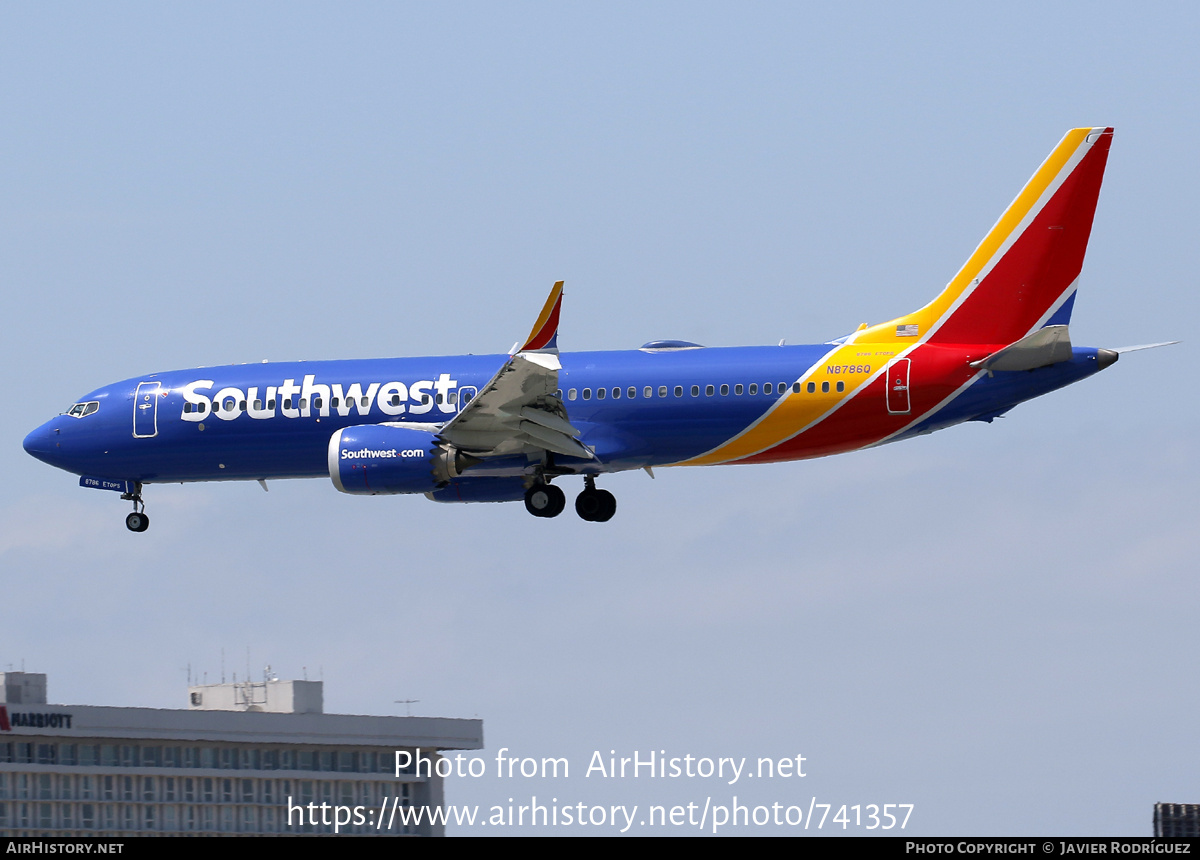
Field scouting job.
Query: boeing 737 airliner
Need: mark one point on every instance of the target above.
(491, 428)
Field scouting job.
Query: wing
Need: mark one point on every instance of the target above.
(519, 411)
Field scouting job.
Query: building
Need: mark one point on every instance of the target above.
(244, 758)
(1177, 820)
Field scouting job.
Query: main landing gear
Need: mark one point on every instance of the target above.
(595, 506)
(547, 500)
(137, 521)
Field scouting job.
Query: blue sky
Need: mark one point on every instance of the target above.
(994, 623)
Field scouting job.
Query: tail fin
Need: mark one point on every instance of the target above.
(1023, 275)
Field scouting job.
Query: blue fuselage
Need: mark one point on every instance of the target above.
(634, 408)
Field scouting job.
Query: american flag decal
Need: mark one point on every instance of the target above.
(910, 330)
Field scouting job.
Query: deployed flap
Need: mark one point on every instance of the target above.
(1046, 346)
(519, 411)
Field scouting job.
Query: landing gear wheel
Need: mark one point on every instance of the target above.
(137, 521)
(608, 506)
(545, 500)
(595, 506)
(587, 505)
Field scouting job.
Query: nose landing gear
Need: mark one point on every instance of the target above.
(137, 521)
(595, 506)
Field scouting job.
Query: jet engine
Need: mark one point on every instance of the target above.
(384, 459)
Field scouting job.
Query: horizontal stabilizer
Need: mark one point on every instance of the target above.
(1046, 346)
(1124, 349)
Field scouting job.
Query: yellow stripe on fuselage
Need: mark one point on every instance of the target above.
(853, 364)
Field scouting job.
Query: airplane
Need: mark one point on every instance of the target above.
(493, 428)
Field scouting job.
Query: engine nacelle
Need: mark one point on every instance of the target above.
(384, 459)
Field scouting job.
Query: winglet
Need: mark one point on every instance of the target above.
(545, 331)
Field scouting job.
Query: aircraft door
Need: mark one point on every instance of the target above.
(897, 387)
(466, 394)
(145, 410)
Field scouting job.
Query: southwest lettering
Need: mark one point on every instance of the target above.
(311, 398)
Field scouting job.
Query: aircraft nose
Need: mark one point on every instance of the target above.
(42, 442)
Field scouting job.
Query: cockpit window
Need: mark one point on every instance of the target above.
(82, 410)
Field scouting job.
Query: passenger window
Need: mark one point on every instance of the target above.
(709, 391)
(316, 403)
(812, 386)
(783, 388)
(257, 405)
(204, 407)
(753, 388)
(587, 394)
(395, 401)
(632, 392)
(795, 388)
(737, 389)
(303, 402)
(767, 388)
(187, 407)
(601, 393)
(270, 405)
(242, 406)
(662, 391)
(287, 404)
(616, 394)
(452, 397)
(571, 394)
(679, 391)
(648, 391)
(439, 398)
(841, 386)
(333, 403)
(424, 400)
(824, 387)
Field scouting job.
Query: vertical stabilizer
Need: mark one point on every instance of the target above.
(1024, 273)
